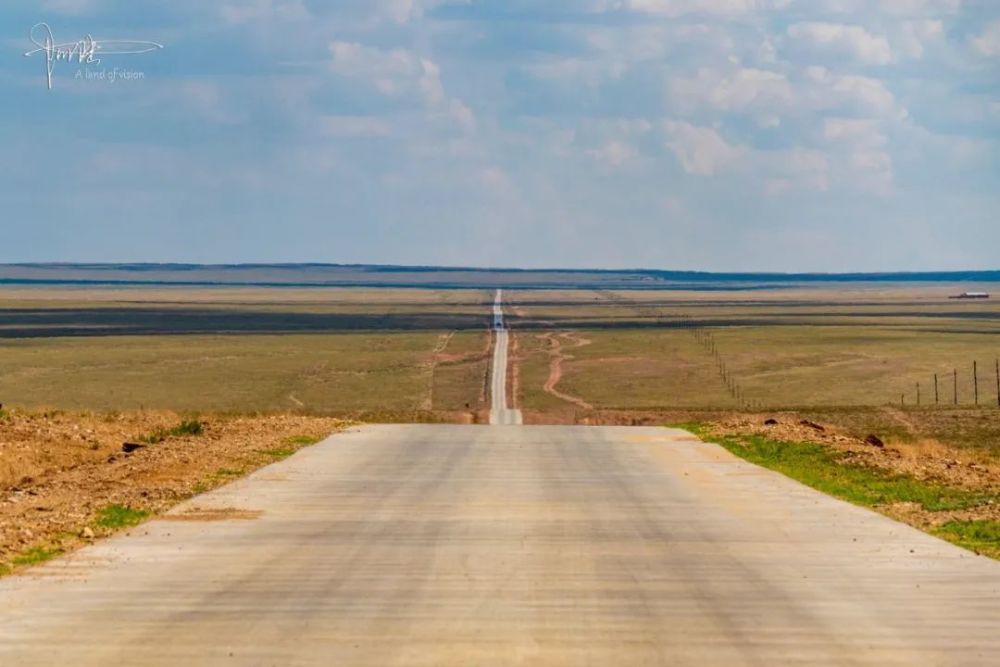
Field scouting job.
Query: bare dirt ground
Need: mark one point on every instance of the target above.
(924, 459)
(558, 356)
(59, 470)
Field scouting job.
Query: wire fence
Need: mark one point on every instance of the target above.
(984, 389)
(955, 388)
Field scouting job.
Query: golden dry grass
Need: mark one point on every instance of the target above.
(858, 346)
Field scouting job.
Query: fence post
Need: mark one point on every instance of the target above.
(956, 386)
(998, 383)
(975, 380)
(918, 394)
(936, 401)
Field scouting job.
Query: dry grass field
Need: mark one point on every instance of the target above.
(784, 348)
(392, 353)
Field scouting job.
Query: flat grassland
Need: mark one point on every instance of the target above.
(852, 356)
(782, 348)
(403, 354)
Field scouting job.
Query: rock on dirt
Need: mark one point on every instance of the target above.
(874, 441)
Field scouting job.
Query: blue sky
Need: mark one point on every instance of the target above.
(827, 135)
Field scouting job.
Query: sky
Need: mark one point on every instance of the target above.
(718, 135)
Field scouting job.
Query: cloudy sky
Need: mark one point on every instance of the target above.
(830, 135)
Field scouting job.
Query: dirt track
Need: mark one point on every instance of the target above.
(558, 356)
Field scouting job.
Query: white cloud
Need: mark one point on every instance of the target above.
(429, 81)
(495, 180)
(916, 35)
(459, 112)
(614, 153)
(918, 7)
(579, 71)
(403, 11)
(841, 38)
(73, 7)
(264, 10)
(744, 89)
(889, 7)
(353, 126)
(868, 164)
(398, 11)
(610, 142)
(768, 120)
(393, 73)
(767, 52)
(632, 43)
(794, 169)
(868, 95)
(675, 8)
(853, 130)
(400, 73)
(988, 42)
(204, 98)
(700, 150)
(770, 96)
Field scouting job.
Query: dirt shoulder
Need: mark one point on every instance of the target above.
(65, 478)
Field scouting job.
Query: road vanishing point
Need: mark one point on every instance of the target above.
(509, 545)
(500, 414)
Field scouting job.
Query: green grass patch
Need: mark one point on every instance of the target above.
(292, 445)
(824, 469)
(981, 536)
(303, 440)
(36, 556)
(278, 453)
(118, 516)
(186, 427)
(228, 472)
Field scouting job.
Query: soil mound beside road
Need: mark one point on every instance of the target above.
(61, 472)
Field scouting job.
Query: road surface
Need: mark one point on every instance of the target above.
(500, 414)
(535, 545)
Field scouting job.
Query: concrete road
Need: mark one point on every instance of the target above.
(455, 545)
(500, 414)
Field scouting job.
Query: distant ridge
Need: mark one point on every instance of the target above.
(373, 275)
